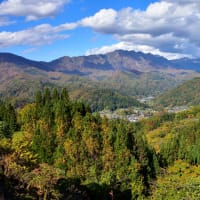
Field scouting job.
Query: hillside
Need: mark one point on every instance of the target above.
(187, 63)
(8, 58)
(55, 148)
(120, 60)
(128, 74)
(186, 94)
(100, 99)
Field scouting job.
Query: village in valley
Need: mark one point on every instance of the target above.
(135, 114)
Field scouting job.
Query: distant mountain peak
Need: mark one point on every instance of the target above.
(22, 62)
(120, 60)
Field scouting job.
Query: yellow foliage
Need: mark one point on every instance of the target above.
(27, 117)
(21, 142)
(68, 146)
(92, 146)
(5, 143)
(180, 181)
(108, 157)
(60, 130)
(159, 136)
(77, 122)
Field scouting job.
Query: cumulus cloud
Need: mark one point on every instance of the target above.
(36, 36)
(107, 49)
(159, 18)
(136, 47)
(102, 21)
(31, 9)
(168, 27)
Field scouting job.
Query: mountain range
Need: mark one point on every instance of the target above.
(120, 73)
(120, 60)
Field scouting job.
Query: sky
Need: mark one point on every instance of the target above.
(49, 29)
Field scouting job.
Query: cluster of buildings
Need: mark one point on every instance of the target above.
(134, 116)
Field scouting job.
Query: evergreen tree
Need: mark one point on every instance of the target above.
(64, 95)
(55, 95)
(39, 99)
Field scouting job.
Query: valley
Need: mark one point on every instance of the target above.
(99, 100)
(124, 124)
(55, 148)
(121, 77)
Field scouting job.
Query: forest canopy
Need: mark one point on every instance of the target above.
(55, 148)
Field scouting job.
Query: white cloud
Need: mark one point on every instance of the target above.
(66, 26)
(183, 1)
(4, 21)
(101, 21)
(107, 49)
(36, 36)
(168, 27)
(136, 47)
(31, 9)
(159, 18)
(158, 9)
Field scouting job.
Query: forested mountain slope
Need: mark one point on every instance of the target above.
(56, 148)
(186, 94)
(126, 74)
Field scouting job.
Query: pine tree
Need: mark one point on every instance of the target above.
(64, 95)
(39, 99)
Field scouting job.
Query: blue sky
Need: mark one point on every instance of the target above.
(48, 29)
